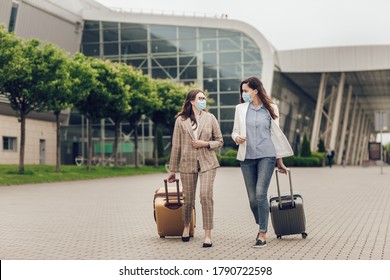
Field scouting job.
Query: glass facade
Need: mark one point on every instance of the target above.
(216, 60)
(296, 109)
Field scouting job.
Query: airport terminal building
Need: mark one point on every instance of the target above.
(326, 93)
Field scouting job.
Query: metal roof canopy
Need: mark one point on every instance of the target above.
(372, 88)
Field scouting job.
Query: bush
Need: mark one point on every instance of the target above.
(305, 149)
(161, 161)
(231, 153)
(321, 146)
(302, 161)
(321, 157)
(228, 161)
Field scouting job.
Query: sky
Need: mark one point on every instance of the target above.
(289, 24)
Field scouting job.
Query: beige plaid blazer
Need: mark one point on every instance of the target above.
(184, 157)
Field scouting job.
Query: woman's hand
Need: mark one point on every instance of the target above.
(240, 139)
(200, 144)
(281, 167)
(171, 177)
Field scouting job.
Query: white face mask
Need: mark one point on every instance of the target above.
(246, 96)
(201, 104)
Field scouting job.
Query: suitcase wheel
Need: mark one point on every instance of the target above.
(162, 236)
(304, 235)
(279, 236)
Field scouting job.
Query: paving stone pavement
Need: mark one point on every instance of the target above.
(347, 214)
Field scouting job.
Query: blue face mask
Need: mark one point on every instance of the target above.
(246, 96)
(201, 105)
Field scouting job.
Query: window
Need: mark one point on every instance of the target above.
(9, 143)
(12, 20)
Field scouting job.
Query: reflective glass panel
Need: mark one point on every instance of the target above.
(91, 49)
(252, 55)
(230, 43)
(109, 25)
(230, 98)
(91, 25)
(209, 44)
(110, 35)
(137, 62)
(187, 60)
(210, 72)
(188, 73)
(111, 49)
(187, 45)
(162, 46)
(210, 59)
(210, 84)
(91, 36)
(227, 113)
(164, 73)
(129, 34)
(187, 32)
(207, 32)
(163, 32)
(230, 71)
(229, 57)
(252, 69)
(135, 47)
(229, 85)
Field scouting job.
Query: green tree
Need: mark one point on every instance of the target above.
(160, 143)
(305, 148)
(117, 96)
(172, 97)
(88, 93)
(23, 71)
(141, 99)
(55, 92)
(321, 146)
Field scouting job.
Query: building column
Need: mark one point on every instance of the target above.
(344, 128)
(351, 132)
(356, 136)
(336, 118)
(365, 143)
(318, 112)
(360, 137)
(328, 115)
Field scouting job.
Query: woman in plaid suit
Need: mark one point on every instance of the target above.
(196, 136)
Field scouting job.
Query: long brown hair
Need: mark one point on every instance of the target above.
(255, 83)
(186, 110)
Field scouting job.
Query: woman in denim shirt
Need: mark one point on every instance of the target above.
(256, 152)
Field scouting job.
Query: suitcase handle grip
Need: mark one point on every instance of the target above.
(291, 188)
(166, 191)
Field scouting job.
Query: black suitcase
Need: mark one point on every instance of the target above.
(287, 213)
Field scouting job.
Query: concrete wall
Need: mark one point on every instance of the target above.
(5, 12)
(49, 23)
(36, 130)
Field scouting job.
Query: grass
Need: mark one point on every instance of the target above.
(9, 174)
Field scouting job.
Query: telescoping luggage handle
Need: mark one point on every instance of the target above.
(167, 196)
(291, 189)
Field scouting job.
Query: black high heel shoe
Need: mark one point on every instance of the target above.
(207, 245)
(185, 238)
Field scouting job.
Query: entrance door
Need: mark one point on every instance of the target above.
(42, 151)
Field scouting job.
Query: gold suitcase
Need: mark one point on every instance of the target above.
(168, 206)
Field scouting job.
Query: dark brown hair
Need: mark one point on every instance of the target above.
(186, 110)
(255, 83)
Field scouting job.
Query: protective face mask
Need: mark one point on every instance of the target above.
(201, 105)
(246, 96)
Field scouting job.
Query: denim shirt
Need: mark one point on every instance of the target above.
(258, 133)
